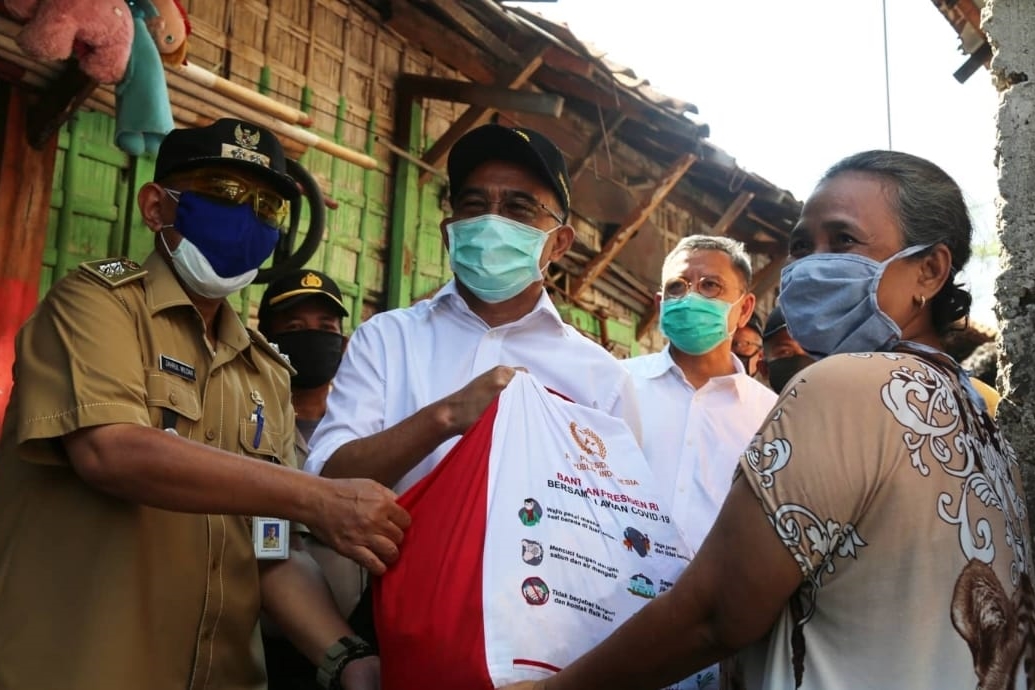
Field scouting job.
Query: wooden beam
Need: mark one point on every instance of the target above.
(603, 136)
(647, 321)
(981, 56)
(59, 101)
(568, 61)
(445, 44)
(476, 29)
(26, 185)
(599, 263)
(614, 98)
(489, 97)
(473, 117)
(732, 212)
(970, 12)
(769, 276)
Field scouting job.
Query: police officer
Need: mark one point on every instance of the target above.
(148, 445)
(301, 315)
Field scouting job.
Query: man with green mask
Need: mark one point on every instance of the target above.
(700, 409)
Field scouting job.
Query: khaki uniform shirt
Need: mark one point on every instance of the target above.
(902, 504)
(97, 593)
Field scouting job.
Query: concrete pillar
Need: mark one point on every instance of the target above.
(1010, 25)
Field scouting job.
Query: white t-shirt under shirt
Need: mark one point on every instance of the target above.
(902, 504)
(401, 360)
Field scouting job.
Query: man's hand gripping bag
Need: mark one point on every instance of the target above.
(534, 538)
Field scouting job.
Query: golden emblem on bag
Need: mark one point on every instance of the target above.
(588, 440)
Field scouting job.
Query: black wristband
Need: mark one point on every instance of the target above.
(337, 656)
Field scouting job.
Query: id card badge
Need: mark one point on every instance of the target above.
(271, 538)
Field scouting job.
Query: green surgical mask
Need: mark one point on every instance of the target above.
(695, 324)
(495, 257)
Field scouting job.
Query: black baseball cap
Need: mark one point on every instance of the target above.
(525, 147)
(774, 324)
(754, 323)
(297, 286)
(228, 142)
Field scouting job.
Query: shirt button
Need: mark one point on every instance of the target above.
(210, 435)
(173, 398)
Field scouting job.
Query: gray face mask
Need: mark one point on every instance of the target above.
(830, 303)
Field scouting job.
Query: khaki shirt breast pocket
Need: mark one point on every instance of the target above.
(262, 442)
(171, 402)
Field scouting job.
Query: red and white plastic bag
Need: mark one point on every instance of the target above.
(533, 539)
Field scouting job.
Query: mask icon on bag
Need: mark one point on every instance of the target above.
(531, 513)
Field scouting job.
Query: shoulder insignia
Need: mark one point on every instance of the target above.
(113, 272)
(271, 350)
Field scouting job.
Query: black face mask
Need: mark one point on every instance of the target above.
(784, 369)
(746, 361)
(315, 355)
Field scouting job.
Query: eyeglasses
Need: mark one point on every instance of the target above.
(706, 286)
(518, 206)
(272, 208)
(746, 348)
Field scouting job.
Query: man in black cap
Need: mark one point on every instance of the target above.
(301, 315)
(414, 379)
(747, 344)
(783, 356)
(148, 448)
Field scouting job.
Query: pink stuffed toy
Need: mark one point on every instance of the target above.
(98, 32)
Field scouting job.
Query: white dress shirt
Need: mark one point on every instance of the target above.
(693, 437)
(401, 360)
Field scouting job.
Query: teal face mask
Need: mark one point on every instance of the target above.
(495, 257)
(695, 324)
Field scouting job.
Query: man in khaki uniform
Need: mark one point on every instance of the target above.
(145, 425)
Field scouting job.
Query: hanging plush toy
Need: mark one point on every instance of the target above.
(143, 115)
(169, 27)
(97, 32)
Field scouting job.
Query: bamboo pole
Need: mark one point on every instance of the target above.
(202, 77)
(280, 127)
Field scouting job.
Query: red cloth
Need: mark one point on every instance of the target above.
(428, 606)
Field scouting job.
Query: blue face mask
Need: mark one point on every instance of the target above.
(695, 324)
(230, 236)
(830, 303)
(495, 257)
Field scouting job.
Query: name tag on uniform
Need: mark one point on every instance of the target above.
(174, 366)
(271, 538)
